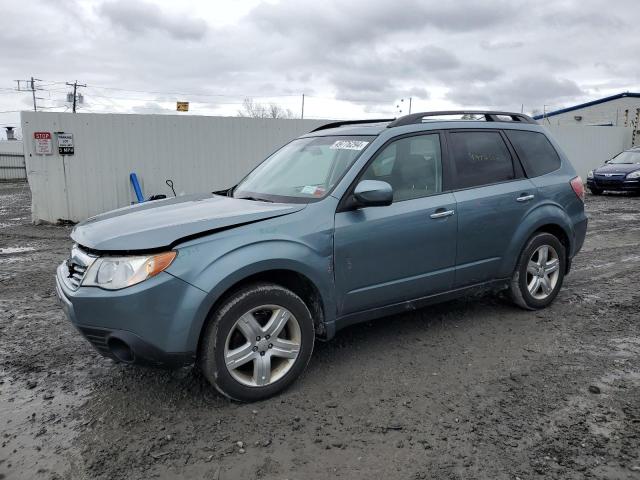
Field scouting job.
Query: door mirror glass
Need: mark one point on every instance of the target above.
(373, 193)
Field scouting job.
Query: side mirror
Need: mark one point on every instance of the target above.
(373, 193)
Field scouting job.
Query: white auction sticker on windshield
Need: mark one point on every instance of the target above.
(349, 145)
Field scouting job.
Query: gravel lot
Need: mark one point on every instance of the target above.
(467, 389)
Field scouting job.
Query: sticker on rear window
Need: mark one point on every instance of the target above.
(349, 145)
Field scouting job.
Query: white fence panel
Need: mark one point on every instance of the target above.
(200, 154)
(588, 147)
(12, 167)
(12, 161)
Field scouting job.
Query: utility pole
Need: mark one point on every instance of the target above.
(33, 92)
(302, 115)
(31, 88)
(410, 98)
(75, 86)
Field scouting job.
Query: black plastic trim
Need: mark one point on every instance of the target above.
(350, 122)
(414, 304)
(143, 352)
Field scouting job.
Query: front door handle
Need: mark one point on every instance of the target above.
(524, 198)
(443, 213)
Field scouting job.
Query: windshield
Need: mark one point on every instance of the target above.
(304, 170)
(626, 157)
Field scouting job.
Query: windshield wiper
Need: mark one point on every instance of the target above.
(256, 199)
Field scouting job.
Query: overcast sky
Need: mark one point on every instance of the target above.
(350, 58)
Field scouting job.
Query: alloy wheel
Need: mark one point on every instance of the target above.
(262, 345)
(543, 271)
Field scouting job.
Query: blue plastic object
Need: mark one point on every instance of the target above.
(136, 187)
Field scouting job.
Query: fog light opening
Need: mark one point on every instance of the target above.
(120, 350)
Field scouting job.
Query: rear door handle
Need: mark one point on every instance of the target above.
(524, 198)
(443, 213)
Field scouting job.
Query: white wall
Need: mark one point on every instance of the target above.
(11, 146)
(619, 112)
(589, 147)
(200, 154)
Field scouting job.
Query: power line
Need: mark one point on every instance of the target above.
(114, 100)
(193, 94)
(110, 97)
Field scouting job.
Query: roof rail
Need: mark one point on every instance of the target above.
(351, 122)
(489, 116)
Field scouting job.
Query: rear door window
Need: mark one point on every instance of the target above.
(535, 152)
(480, 158)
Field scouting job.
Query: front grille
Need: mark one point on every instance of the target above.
(610, 181)
(78, 274)
(77, 266)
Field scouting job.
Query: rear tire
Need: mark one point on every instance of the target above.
(539, 273)
(257, 343)
(595, 191)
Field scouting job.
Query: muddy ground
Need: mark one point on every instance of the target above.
(468, 389)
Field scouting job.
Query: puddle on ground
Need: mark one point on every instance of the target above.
(12, 250)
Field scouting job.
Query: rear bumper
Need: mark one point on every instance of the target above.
(149, 323)
(622, 185)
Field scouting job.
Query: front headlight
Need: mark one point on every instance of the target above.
(114, 273)
(635, 174)
(590, 174)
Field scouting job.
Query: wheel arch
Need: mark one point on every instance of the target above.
(287, 277)
(547, 218)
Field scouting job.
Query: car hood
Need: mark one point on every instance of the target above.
(618, 168)
(163, 223)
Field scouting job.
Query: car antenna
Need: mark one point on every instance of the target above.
(169, 182)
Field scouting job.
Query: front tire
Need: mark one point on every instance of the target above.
(539, 274)
(257, 343)
(595, 191)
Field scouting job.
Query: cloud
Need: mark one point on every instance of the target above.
(382, 76)
(138, 17)
(365, 21)
(508, 44)
(508, 94)
(152, 107)
(494, 53)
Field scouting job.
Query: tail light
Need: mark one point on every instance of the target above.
(578, 187)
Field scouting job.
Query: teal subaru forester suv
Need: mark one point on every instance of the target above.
(353, 221)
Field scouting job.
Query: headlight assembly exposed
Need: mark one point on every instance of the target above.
(590, 174)
(634, 175)
(114, 273)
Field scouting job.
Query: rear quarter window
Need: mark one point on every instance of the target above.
(536, 153)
